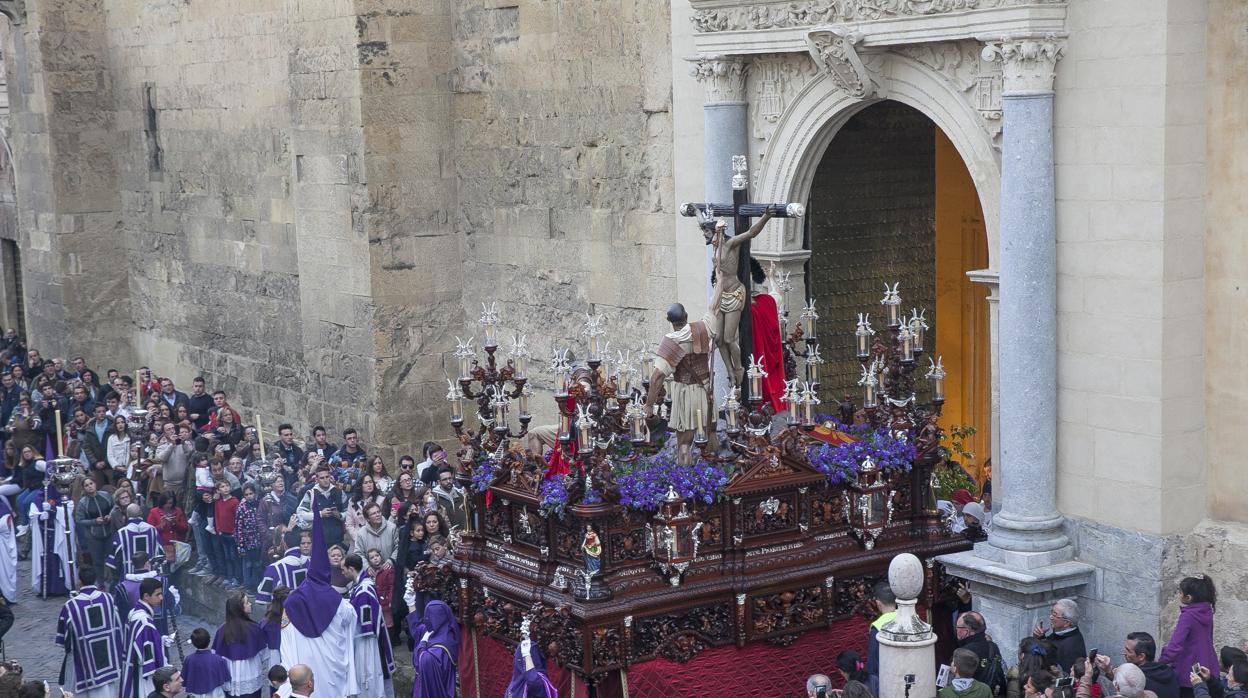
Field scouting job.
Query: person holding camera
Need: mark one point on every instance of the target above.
(326, 498)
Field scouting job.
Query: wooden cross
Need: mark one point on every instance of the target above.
(742, 212)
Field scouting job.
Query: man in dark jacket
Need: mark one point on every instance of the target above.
(1140, 649)
(973, 636)
(1063, 633)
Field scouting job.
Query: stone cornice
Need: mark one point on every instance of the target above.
(731, 15)
(1004, 18)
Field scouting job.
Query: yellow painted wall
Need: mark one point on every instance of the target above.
(961, 306)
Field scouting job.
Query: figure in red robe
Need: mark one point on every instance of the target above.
(765, 320)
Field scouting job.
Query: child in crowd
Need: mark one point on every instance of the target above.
(203, 671)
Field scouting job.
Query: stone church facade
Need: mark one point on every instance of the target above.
(307, 200)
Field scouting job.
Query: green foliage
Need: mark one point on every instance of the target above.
(948, 478)
(958, 435)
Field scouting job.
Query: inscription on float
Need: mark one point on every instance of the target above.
(774, 549)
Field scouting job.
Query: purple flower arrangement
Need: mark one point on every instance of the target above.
(484, 474)
(554, 496)
(840, 463)
(645, 485)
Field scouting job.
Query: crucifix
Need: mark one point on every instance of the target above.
(730, 306)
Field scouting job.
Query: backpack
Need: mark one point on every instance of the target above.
(993, 670)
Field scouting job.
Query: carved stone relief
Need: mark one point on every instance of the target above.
(779, 15)
(964, 65)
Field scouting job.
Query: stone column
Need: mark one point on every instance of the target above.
(1027, 562)
(991, 280)
(1025, 493)
(725, 134)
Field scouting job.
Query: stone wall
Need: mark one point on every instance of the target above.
(405, 55)
(239, 152)
(564, 161)
(63, 118)
(1130, 150)
(288, 191)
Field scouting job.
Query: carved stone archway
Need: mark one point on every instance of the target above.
(820, 108)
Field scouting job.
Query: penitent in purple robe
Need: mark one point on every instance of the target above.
(525, 681)
(289, 572)
(374, 658)
(52, 543)
(144, 653)
(90, 631)
(205, 674)
(436, 656)
(135, 537)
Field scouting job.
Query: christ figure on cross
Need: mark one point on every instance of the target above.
(730, 295)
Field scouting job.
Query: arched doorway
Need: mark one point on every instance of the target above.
(892, 200)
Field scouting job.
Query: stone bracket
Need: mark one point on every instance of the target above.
(838, 51)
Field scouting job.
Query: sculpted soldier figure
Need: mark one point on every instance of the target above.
(729, 297)
(684, 355)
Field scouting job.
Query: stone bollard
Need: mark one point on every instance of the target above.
(907, 644)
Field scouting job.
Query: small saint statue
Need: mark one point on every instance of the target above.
(592, 548)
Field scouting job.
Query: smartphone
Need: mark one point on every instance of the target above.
(1065, 682)
(1092, 656)
(1196, 668)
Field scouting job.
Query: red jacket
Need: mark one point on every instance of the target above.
(223, 515)
(383, 583)
(174, 529)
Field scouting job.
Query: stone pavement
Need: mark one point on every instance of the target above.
(31, 640)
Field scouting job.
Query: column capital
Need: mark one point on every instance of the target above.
(723, 76)
(1027, 63)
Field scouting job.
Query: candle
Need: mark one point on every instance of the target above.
(892, 302)
(464, 366)
(793, 407)
(524, 403)
(756, 384)
(491, 339)
(918, 328)
(593, 348)
(565, 428)
(639, 426)
(457, 410)
(868, 400)
(563, 385)
(862, 334)
(700, 435)
(938, 389)
(730, 412)
(500, 413)
(907, 344)
(60, 436)
(520, 366)
(585, 437)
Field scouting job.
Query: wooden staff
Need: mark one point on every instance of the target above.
(260, 437)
